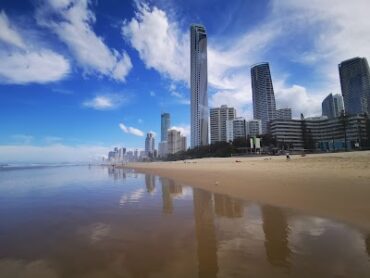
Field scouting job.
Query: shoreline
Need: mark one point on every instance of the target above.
(335, 185)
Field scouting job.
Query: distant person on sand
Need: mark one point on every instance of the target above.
(287, 156)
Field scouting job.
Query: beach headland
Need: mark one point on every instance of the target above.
(333, 185)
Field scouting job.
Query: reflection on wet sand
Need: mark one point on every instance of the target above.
(228, 207)
(205, 233)
(169, 190)
(276, 231)
(149, 183)
(117, 174)
(124, 230)
(367, 243)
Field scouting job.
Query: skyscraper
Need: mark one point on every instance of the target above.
(332, 106)
(218, 117)
(165, 125)
(264, 105)
(198, 84)
(355, 83)
(176, 142)
(149, 144)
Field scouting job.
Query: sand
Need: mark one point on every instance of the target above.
(328, 185)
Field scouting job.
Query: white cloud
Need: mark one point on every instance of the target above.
(297, 98)
(159, 42)
(152, 94)
(52, 153)
(41, 66)
(72, 22)
(105, 102)
(131, 130)
(8, 33)
(22, 62)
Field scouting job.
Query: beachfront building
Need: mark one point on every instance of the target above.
(130, 156)
(332, 106)
(175, 141)
(198, 85)
(253, 128)
(149, 144)
(218, 118)
(355, 84)
(264, 105)
(322, 133)
(162, 149)
(165, 125)
(235, 128)
(283, 114)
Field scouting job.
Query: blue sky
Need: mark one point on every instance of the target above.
(79, 77)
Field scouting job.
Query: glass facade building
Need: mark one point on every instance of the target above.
(332, 106)
(355, 84)
(264, 105)
(165, 125)
(198, 85)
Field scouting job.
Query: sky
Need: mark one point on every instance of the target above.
(79, 77)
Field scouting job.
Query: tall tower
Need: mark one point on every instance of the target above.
(264, 105)
(165, 125)
(198, 84)
(149, 144)
(355, 83)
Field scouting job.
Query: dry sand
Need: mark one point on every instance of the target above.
(329, 185)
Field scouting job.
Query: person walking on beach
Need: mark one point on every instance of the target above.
(287, 156)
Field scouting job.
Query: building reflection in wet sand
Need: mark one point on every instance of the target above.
(149, 183)
(117, 174)
(205, 233)
(276, 231)
(226, 206)
(367, 243)
(169, 190)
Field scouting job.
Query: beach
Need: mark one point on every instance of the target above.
(333, 185)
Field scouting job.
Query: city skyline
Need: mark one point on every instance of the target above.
(86, 105)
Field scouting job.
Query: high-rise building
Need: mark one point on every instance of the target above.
(149, 144)
(165, 125)
(338, 104)
(198, 84)
(218, 118)
(332, 106)
(264, 105)
(253, 128)
(355, 83)
(235, 129)
(283, 114)
(176, 142)
(163, 149)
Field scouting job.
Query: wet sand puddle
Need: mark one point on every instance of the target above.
(105, 222)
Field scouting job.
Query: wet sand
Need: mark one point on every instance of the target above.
(330, 185)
